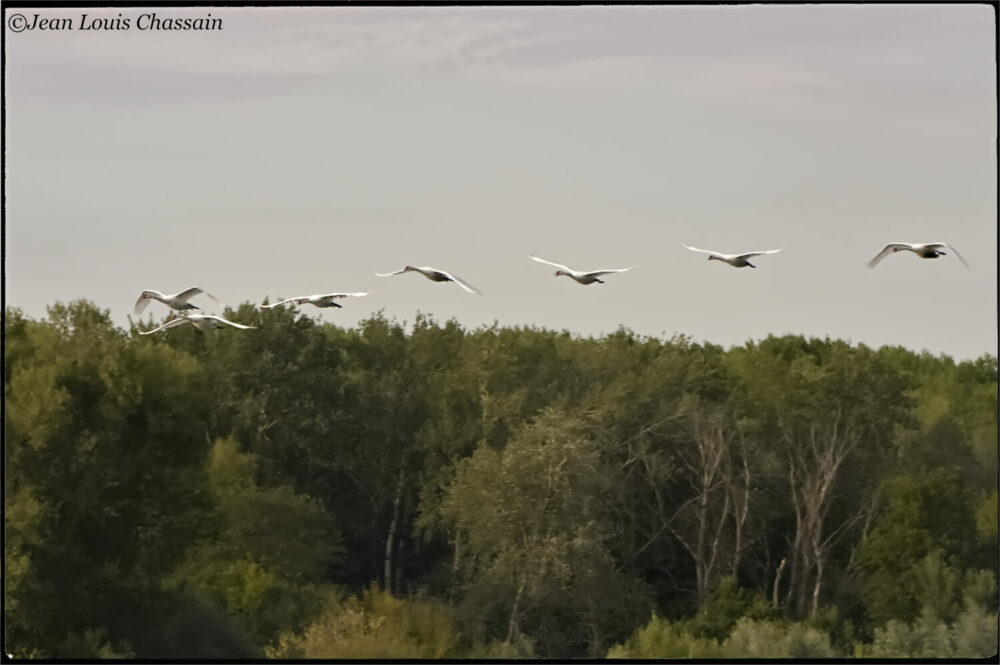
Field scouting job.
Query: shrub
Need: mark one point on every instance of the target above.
(774, 639)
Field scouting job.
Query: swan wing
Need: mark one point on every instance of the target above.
(703, 251)
(229, 323)
(951, 249)
(172, 323)
(551, 263)
(761, 253)
(187, 294)
(886, 251)
(141, 304)
(461, 282)
(598, 273)
(356, 294)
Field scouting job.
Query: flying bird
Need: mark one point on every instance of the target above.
(735, 260)
(929, 250)
(579, 276)
(325, 300)
(176, 301)
(204, 322)
(434, 275)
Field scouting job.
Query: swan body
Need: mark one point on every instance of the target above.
(323, 300)
(580, 276)
(175, 301)
(204, 322)
(434, 275)
(929, 250)
(735, 260)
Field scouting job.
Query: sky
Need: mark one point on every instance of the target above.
(300, 150)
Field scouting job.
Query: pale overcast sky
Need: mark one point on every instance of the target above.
(300, 150)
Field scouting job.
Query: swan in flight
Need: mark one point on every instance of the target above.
(177, 301)
(735, 260)
(204, 322)
(581, 277)
(435, 275)
(325, 300)
(928, 250)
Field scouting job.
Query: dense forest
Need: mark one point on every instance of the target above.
(308, 491)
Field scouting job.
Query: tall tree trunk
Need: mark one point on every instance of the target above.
(795, 571)
(777, 583)
(390, 541)
(513, 628)
(701, 583)
(819, 583)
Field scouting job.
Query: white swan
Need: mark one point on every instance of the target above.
(325, 300)
(177, 301)
(581, 277)
(927, 250)
(435, 275)
(204, 322)
(735, 260)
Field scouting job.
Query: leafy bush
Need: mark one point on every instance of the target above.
(374, 626)
(725, 606)
(662, 639)
(775, 639)
(972, 635)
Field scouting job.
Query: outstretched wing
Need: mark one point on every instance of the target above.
(598, 273)
(886, 251)
(551, 263)
(461, 282)
(357, 294)
(703, 251)
(390, 274)
(230, 323)
(172, 323)
(752, 254)
(186, 295)
(140, 304)
(953, 250)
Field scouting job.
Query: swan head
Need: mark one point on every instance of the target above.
(560, 272)
(710, 257)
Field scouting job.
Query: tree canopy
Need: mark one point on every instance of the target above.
(426, 491)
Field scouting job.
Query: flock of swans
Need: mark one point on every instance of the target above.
(181, 305)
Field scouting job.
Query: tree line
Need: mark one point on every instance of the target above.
(310, 491)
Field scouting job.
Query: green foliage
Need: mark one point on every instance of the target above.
(987, 521)
(749, 638)
(374, 626)
(92, 643)
(927, 526)
(533, 523)
(269, 549)
(938, 584)
(661, 638)
(980, 589)
(775, 639)
(727, 605)
(972, 635)
(262, 602)
(177, 625)
(103, 440)
(516, 492)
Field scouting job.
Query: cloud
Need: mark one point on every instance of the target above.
(860, 56)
